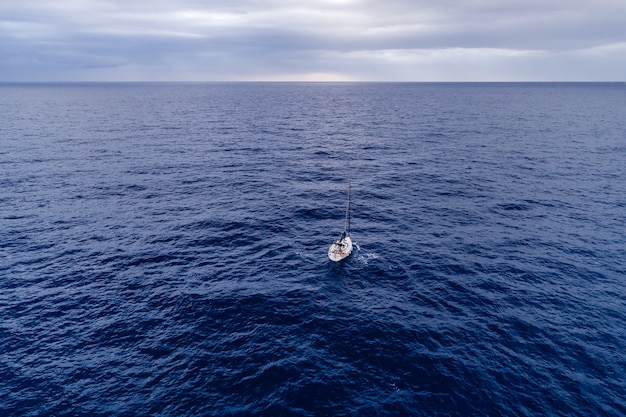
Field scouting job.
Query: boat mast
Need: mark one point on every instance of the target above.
(346, 227)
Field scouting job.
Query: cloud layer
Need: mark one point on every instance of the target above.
(395, 40)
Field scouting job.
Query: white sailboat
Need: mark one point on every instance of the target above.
(342, 248)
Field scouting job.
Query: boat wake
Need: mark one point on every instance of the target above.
(364, 256)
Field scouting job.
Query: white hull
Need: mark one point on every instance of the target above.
(340, 249)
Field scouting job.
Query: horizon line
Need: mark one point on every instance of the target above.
(300, 82)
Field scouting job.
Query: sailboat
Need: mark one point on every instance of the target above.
(342, 248)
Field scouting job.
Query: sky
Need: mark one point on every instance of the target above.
(312, 40)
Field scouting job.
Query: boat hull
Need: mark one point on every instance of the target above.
(340, 249)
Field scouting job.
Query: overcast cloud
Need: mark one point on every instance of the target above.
(382, 40)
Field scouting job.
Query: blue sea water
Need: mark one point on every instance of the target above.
(163, 249)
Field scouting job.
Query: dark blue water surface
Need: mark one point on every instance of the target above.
(163, 250)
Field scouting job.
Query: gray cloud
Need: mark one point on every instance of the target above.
(317, 39)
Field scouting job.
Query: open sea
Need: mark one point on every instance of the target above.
(163, 249)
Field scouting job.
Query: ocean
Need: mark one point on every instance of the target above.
(163, 249)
